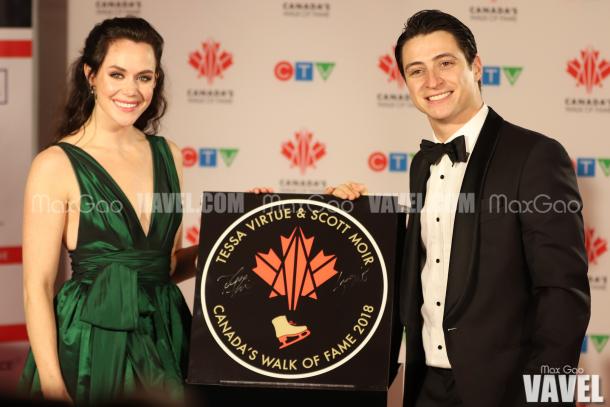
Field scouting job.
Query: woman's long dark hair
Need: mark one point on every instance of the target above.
(80, 102)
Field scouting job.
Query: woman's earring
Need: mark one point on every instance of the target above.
(92, 90)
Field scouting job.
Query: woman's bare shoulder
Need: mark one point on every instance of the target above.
(51, 159)
(176, 152)
(51, 169)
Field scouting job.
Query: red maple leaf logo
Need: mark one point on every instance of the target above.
(595, 245)
(297, 273)
(388, 64)
(589, 72)
(303, 153)
(192, 235)
(210, 62)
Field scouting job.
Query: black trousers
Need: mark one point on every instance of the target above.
(438, 389)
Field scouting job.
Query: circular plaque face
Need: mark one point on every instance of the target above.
(294, 289)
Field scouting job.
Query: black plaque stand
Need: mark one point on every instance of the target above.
(372, 378)
(212, 396)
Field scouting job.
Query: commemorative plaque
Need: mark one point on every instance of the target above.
(294, 290)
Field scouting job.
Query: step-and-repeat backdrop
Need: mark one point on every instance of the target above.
(298, 95)
(16, 149)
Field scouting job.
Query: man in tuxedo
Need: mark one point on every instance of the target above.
(494, 282)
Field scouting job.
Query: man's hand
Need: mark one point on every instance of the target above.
(350, 190)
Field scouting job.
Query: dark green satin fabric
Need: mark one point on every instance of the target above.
(122, 326)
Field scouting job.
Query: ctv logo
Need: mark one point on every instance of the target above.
(394, 162)
(208, 157)
(589, 71)
(388, 65)
(585, 167)
(210, 61)
(492, 74)
(599, 343)
(302, 70)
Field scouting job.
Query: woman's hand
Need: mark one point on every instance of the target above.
(56, 392)
(261, 190)
(350, 190)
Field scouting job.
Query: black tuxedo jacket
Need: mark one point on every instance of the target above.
(517, 293)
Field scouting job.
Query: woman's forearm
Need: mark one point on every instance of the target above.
(40, 319)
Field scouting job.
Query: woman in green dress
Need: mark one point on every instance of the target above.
(119, 324)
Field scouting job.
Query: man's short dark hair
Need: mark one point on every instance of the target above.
(428, 21)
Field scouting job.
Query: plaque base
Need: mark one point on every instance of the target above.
(208, 395)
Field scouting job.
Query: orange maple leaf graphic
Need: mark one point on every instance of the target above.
(296, 273)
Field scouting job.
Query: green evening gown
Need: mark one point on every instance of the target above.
(122, 325)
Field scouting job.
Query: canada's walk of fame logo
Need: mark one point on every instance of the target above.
(294, 289)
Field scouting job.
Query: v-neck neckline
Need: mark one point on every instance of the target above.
(122, 193)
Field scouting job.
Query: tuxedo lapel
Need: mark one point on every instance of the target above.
(465, 243)
(413, 257)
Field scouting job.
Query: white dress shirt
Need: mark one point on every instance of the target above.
(437, 217)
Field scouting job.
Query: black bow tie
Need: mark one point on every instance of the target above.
(434, 152)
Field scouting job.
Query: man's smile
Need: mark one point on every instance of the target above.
(438, 97)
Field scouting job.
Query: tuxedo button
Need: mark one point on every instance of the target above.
(438, 260)
(442, 177)
(438, 303)
(438, 219)
(440, 347)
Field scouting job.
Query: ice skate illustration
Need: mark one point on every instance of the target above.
(287, 332)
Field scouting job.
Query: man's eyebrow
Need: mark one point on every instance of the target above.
(437, 57)
(409, 65)
(444, 55)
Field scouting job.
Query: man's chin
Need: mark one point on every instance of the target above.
(439, 117)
